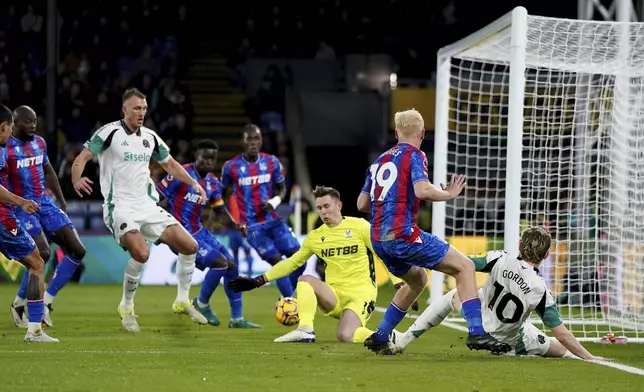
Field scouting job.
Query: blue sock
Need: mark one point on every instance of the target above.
(35, 310)
(393, 317)
(472, 313)
(249, 261)
(234, 299)
(22, 290)
(210, 283)
(296, 274)
(64, 272)
(284, 286)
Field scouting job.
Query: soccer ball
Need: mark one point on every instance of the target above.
(286, 311)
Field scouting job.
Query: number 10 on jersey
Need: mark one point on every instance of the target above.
(382, 177)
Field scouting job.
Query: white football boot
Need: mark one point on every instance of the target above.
(18, 315)
(188, 309)
(39, 337)
(128, 319)
(297, 336)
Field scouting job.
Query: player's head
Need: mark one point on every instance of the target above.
(134, 107)
(409, 127)
(25, 120)
(6, 124)
(206, 156)
(252, 138)
(328, 204)
(535, 244)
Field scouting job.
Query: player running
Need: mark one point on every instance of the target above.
(253, 177)
(395, 184)
(350, 291)
(30, 174)
(184, 204)
(513, 290)
(125, 149)
(17, 244)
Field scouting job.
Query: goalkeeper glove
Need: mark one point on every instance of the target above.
(244, 283)
(414, 306)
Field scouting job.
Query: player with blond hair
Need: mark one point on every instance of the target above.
(395, 184)
(125, 149)
(512, 292)
(350, 291)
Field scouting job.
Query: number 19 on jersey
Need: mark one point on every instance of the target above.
(382, 179)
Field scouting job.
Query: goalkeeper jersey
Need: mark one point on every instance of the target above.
(346, 250)
(124, 158)
(513, 290)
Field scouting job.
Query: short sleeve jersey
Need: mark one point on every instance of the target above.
(124, 158)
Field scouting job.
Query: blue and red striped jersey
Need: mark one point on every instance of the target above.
(390, 185)
(7, 216)
(26, 162)
(184, 202)
(253, 184)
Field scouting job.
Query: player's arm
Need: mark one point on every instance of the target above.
(279, 270)
(364, 199)
(28, 206)
(549, 314)
(280, 182)
(220, 213)
(227, 183)
(83, 185)
(424, 190)
(51, 181)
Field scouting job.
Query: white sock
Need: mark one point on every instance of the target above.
(201, 304)
(48, 298)
(34, 327)
(431, 317)
(133, 272)
(185, 269)
(19, 301)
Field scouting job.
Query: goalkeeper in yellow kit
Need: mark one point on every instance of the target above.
(350, 291)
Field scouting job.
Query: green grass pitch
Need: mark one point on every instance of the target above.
(173, 354)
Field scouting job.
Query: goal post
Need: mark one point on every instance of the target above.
(545, 117)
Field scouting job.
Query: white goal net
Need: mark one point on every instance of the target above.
(545, 117)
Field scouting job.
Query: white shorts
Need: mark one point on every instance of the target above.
(148, 219)
(531, 341)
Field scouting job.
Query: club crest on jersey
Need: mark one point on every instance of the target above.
(242, 169)
(146, 143)
(262, 166)
(31, 161)
(348, 233)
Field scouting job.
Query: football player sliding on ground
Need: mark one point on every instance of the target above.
(512, 292)
(350, 291)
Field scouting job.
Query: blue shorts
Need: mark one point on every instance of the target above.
(272, 238)
(237, 241)
(399, 255)
(15, 242)
(48, 219)
(209, 249)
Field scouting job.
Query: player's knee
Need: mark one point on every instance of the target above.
(465, 266)
(344, 336)
(191, 247)
(77, 252)
(219, 264)
(140, 254)
(45, 254)
(306, 278)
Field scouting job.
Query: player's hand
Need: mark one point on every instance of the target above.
(242, 228)
(63, 206)
(83, 185)
(455, 186)
(244, 283)
(268, 207)
(414, 306)
(197, 187)
(29, 206)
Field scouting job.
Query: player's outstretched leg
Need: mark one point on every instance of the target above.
(237, 319)
(178, 238)
(35, 301)
(462, 269)
(431, 317)
(67, 238)
(208, 287)
(18, 306)
(384, 339)
(311, 292)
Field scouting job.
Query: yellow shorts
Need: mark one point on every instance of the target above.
(361, 301)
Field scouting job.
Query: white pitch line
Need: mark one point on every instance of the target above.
(614, 365)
